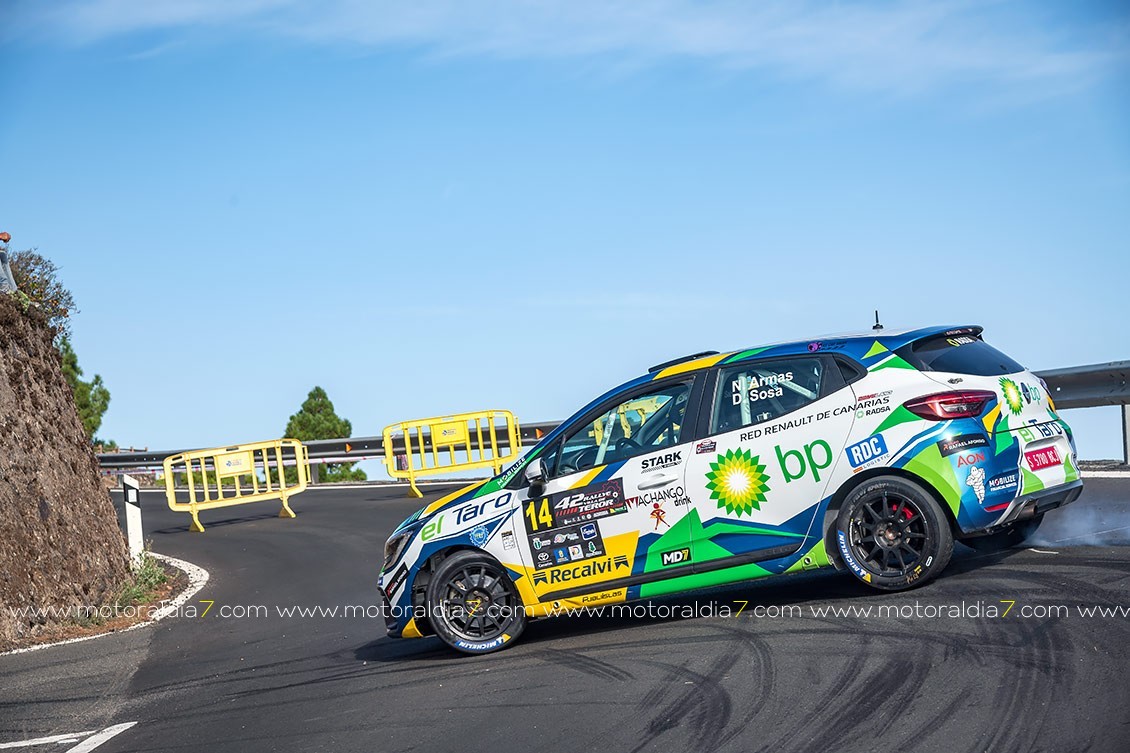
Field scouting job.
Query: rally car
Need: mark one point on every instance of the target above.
(868, 453)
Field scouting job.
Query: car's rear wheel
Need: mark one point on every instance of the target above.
(473, 605)
(892, 534)
(1014, 535)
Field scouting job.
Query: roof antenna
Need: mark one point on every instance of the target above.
(877, 326)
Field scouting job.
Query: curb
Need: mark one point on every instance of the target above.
(197, 578)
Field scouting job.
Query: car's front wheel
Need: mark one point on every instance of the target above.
(473, 605)
(892, 534)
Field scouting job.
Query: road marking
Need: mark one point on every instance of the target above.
(1041, 551)
(197, 578)
(93, 742)
(94, 738)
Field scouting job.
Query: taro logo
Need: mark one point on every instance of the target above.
(738, 481)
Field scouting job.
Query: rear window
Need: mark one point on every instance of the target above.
(958, 354)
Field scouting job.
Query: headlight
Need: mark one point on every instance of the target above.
(394, 547)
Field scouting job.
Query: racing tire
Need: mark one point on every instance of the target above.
(1014, 535)
(892, 534)
(473, 605)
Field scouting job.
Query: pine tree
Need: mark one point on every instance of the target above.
(316, 419)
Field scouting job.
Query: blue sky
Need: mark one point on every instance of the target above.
(443, 206)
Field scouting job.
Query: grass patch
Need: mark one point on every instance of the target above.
(143, 581)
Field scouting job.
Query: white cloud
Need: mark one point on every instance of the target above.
(894, 45)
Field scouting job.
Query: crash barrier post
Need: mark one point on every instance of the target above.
(226, 476)
(443, 444)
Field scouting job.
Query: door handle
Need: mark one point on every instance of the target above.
(657, 480)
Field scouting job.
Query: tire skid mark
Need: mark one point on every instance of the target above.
(585, 664)
(704, 704)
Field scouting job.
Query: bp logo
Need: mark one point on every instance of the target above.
(1012, 396)
(738, 481)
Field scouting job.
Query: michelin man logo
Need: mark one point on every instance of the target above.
(976, 479)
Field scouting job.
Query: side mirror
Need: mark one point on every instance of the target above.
(535, 473)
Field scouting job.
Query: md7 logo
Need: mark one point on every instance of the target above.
(676, 557)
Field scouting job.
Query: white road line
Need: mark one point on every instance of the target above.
(91, 743)
(197, 577)
(59, 739)
(94, 738)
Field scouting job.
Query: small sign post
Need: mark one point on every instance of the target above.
(131, 491)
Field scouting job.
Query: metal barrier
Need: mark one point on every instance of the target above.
(237, 469)
(430, 446)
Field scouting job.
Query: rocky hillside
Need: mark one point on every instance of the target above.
(60, 545)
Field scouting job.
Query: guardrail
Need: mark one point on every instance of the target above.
(1073, 387)
(445, 444)
(239, 466)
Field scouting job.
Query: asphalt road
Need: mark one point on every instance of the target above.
(805, 681)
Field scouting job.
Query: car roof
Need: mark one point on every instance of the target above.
(870, 347)
(853, 344)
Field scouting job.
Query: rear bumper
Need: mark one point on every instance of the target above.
(1030, 505)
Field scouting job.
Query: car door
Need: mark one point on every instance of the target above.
(775, 431)
(614, 488)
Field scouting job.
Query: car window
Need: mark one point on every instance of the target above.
(644, 423)
(760, 391)
(958, 355)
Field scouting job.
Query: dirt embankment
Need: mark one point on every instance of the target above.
(60, 545)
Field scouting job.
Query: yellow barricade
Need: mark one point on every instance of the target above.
(450, 443)
(228, 476)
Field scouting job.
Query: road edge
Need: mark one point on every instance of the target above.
(197, 578)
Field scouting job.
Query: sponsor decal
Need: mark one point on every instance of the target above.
(1040, 459)
(866, 451)
(396, 581)
(484, 646)
(588, 503)
(667, 460)
(1012, 395)
(961, 443)
(970, 458)
(658, 515)
(451, 521)
(976, 481)
(675, 495)
(508, 541)
(568, 544)
(806, 462)
(738, 481)
(606, 566)
(959, 341)
(849, 560)
(675, 557)
(819, 345)
(1004, 482)
(867, 405)
(792, 423)
(704, 448)
(479, 535)
(602, 596)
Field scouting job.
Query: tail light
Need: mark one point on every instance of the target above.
(943, 406)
